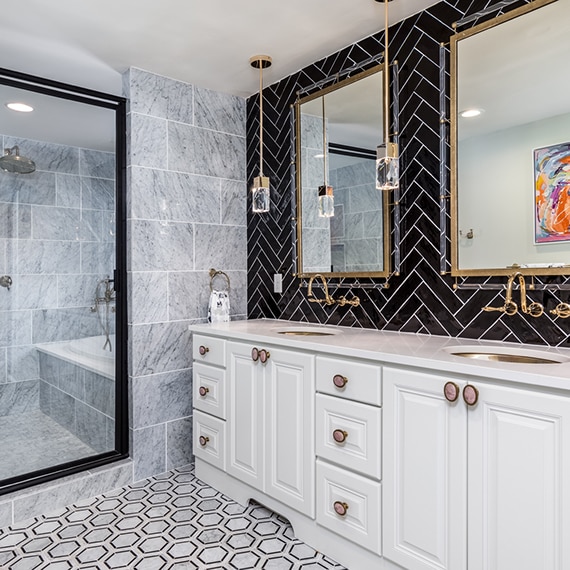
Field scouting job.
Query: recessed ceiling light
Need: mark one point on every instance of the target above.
(20, 107)
(468, 113)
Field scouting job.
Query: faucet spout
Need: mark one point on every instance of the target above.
(328, 300)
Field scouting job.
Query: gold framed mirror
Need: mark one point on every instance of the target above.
(336, 151)
(510, 160)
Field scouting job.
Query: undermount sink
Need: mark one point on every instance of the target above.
(503, 354)
(306, 331)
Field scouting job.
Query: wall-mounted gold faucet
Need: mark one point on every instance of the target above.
(510, 307)
(328, 300)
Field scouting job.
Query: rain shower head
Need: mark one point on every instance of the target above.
(13, 162)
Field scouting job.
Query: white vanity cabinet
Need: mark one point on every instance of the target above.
(484, 486)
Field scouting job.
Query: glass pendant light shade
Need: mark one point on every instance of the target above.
(387, 167)
(260, 200)
(326, 202)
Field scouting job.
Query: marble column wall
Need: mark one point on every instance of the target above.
(186, 213)
(56, 242)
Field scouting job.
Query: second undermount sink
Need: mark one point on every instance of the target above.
(506, 354)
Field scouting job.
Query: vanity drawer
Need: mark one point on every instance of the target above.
(349, 505)
(357, 428)
(209, 349)
(209, 439)
(350, 379)
(209, 389)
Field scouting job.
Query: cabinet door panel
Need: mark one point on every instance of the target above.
(289, 417)
(519, 480)
(425, 477)
(245, 416)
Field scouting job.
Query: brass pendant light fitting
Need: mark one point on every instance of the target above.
(260, 189)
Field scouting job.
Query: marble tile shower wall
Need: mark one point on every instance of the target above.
(419, 300)
(56, 242)
(187, 213)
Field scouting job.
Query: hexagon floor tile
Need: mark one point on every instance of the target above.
(170, 522)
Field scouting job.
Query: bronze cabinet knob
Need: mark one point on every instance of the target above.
(264, 356)
(339, 435)
(203, 390)
(451, 391)
(470, 395)
(203, 440)
(339, 380)
(340, 508)
(203, 350)
(255, 354)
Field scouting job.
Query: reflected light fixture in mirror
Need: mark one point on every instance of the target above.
(260, 197)
(325, 192)
(387, 160)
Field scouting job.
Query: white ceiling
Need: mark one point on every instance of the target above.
(204, 42)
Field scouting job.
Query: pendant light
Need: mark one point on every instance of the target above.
(325, 192)
(260, 197)
(387, 161)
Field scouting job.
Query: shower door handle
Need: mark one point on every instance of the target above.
(6, 281)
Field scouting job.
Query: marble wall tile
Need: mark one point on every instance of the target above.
(100, 393)
(110, 431)
(91, 427)
(45, 257)
(77, 290)
(63, 409)
(109, 226)
(6, 516)
(68, 190)
(96, 163)
(361, 173)
(3, 365)
(179, 443)
(35, 188)
(312, 131)
(238, 293)
(148, 141)
(90, 225)
(149, 297)
(52, 223)
(234, 202)
(373, 224)
(71, 379)
(23, 363)
(97, 193)
(98, 258)
(16, 329)
(221, 247)
(201, 151)
(159, 96)
(16, 221)
(362, 252)
(45, 397)
(365, 198)
(3, 246)
(50, 325)
(160, 347)
(19, 397)
(30, 292)
(219, 111)
(160, 398)
(161, 246)
(148, 446)
(175, 196)
(49, 368)
(48, 156)
(188, 295)
(353, 226)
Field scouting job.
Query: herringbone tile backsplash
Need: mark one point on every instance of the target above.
(420, 299)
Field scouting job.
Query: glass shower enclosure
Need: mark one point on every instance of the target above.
(62, 277)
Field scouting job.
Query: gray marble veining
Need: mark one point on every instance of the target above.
(219, 111)
(149, 451)
(16, 220)
(100, 393)
(16, 329)
(148, 141)
(71, 379)
(19, 397)
(97, 258)
(50, 325)
(48, 156)
(188, 295)
(35, 188)
(160, 398)
(22, 363)
(91, 427)
(161, 246)
(149, 297)
(234, 202)
(3, 360)
(77, 290)
(63, 409)
(365, 198)
(53, 223)
(30, 292)
(90, 225)
(96, 163)
(45, 257)
(159, 96)
(68, 190)
(221, 246)
(179, 443)
(97, 193)
(201, 151)
(160, 347)
(175, 196)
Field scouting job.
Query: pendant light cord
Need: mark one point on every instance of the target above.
(386, 79)
(260, 117)
(324, 145)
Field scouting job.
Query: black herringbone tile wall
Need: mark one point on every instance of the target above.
(420, 299)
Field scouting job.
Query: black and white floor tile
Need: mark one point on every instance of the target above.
(170, 522)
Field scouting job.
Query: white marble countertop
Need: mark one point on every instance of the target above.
(409, 349)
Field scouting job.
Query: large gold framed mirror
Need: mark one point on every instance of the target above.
(337, 132)
(510, 143)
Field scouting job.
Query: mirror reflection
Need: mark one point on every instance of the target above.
(511, 143)
(342, 220)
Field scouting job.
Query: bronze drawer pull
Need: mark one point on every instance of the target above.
(339, 435)
(339, 380)
(203, 350)
(203, 391)
(451, 391)
(255, 354)
(340, 508)
(203, 440)
(264, 356)
(470, 395)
